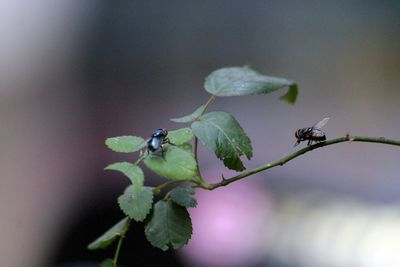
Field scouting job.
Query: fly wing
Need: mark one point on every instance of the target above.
(320, 124)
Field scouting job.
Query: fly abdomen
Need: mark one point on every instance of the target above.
(318, 135)
(318, 138)
(303, 134)
(154, 144)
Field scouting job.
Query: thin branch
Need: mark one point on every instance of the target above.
(208, 104)
(300, 152)
(196, 157)
(121, 239)
(157, 189)
(142, 156)
(196, 140)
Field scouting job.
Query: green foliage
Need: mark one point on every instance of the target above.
(107, 263)
(187, 147)
(169, 226)
(192, 117)
(125, 144)
(108, 237)
(176, 164)
(136, 204)
(180, 136)
(167, 223)
(132, 171)
(240, 81)
(183, 196)
(222, 134)
(291, 95)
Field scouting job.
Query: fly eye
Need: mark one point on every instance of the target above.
(165, 131)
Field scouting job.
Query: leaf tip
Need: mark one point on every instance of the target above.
(291, 96)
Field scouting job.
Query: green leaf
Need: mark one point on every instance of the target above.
(222, 134)
(108, 237)
(191, 117)
(187, 147)
(239, 81)
(183, 196)
(136, 205)
(291, 95)
(180, 136)
(125, 144)
(176, 164)
(107, 263)
(132, 171)
(169, 226)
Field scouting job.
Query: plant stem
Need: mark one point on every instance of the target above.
(209, 102)
(300, 152)
(140, 158)
(157, 189)
(196, 157)
(196, 140)
(120, 240)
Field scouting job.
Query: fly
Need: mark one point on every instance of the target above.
(157, 140)
(312, 134)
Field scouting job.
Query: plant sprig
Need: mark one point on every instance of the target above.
(167, 222)
(300, 152)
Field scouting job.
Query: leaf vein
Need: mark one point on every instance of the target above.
(229, 139)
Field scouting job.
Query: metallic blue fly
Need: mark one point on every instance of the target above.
(157, 140)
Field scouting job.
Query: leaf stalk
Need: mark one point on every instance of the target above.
(196, 140)
(120, 240)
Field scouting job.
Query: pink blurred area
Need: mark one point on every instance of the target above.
(230, 226)
(73, 73)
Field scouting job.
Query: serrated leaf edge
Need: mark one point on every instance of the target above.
(190, 195)
(146, 214)
(169, 245)
(133, 179)
(106, 142)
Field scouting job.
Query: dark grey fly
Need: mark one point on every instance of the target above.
(312, 134)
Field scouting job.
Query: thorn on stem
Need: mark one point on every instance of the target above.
(349, 138)
(223, 177)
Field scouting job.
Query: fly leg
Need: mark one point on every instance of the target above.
(166, 141)
(309, 142)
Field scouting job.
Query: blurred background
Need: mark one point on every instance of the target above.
(73, 73)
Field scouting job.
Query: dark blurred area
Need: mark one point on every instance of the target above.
(73, 73)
